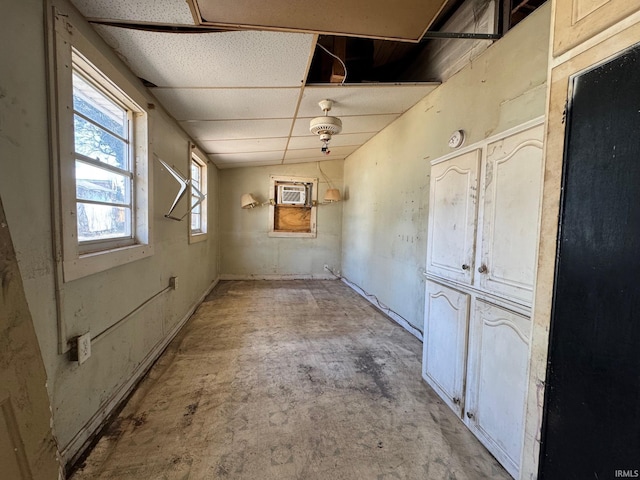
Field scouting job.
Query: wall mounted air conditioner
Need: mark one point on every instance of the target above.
(292, 194)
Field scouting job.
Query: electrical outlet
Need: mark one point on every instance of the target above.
(84, 347)
(173, 282)
(326, 267)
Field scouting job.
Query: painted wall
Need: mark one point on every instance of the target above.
(246, 249)
(80, 394)
(387, 180)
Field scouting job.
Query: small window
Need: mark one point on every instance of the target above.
(292, 212)
(198, 220)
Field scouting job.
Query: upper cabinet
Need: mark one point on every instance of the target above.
(579, 20)
(492, 247)
(511, 201)
(452, 217)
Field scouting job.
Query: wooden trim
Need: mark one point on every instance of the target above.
(573, 27)
(559, 90)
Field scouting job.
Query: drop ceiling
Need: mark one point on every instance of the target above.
(242, 95)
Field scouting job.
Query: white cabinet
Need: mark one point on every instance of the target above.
(497, 380)
(509, 214)
(481, 261)
(452, 217)
(445, 343)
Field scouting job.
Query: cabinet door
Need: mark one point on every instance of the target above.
(497, 382)
(452, 217)
(445, 343)
(510, 209)
(579, 20)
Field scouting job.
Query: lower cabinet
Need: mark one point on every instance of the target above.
(497, 365)
(445, 343)
(476, 357)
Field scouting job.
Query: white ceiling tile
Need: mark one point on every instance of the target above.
(223, 166)
(341, 140)
(228, 104)
(320, 158)
(218, 59)
(357, 124)
(337, 153)
(157, 11)
(363, 99)
(400, 19)
(245, 145)
(236, 129)
(267, 158)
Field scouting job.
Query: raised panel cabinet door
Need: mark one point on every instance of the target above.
(578, 20)
(497, 381)
(452, 217)
(445, 343)
(27, 446)
(510, 210)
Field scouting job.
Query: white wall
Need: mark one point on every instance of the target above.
(246, 249)
(79, 394)
(387, 180)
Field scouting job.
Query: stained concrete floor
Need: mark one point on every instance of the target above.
(288, 380)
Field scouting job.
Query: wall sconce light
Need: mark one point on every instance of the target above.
(332, 195)
(249, 201)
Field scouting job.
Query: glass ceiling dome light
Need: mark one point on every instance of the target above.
(325, 127)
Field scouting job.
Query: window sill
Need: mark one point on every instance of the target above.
(281, 234)
(197, 237)
(96, 262)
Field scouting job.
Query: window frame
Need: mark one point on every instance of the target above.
(196, 156)
(79, 259)
(96, 79)
(274, 181)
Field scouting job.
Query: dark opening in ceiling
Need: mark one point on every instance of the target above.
(367, 60)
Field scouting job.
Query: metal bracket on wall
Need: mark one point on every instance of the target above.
(184, 183)
(460, 35)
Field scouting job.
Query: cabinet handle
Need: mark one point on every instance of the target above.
(465, 267)
(482, 268)
(470, 415)
(456, 400)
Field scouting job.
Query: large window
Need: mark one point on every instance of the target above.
(101, 159)
(104, 173)
(198, 220)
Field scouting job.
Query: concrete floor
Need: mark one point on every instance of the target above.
(288, 380)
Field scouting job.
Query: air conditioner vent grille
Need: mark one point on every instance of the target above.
(292, 194)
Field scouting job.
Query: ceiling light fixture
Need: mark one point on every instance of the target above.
(325, 127)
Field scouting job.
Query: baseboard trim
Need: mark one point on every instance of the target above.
(258, 276)
(388, 312)
(83, 439)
